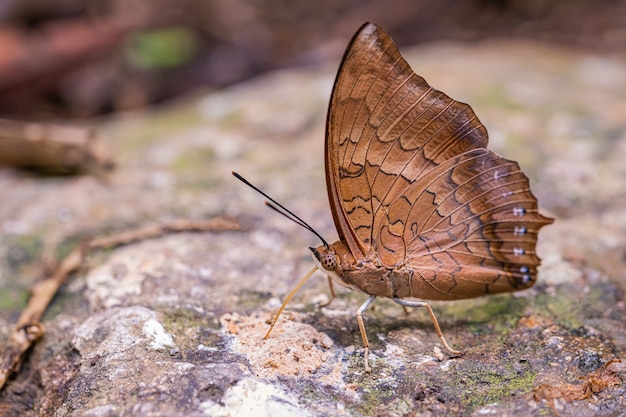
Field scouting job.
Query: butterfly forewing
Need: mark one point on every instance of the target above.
(411, 182)
(386, 127)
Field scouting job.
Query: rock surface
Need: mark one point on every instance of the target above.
(174, 325)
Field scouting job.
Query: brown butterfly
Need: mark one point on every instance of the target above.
(422, 208)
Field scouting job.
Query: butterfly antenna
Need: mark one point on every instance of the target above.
(291, 216)
(279, 208)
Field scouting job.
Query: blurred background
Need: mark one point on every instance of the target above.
(75, 58)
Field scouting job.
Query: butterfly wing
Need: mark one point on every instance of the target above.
(467, 228)
(386, 127)
(411, 182)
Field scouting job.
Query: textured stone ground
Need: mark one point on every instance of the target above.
(174, 326)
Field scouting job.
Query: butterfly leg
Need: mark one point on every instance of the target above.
(332, 293)
(408, 303)
(359, 319)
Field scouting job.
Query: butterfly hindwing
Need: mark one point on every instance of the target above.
(468, 227)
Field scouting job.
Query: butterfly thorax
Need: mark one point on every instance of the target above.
(364, 275)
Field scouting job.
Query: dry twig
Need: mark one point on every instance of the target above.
(29, 329)
(65, 149)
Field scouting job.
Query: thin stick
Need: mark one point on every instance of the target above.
(287, 299)
(28, 329)
(217, 224)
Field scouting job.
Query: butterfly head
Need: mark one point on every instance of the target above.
(325, 258)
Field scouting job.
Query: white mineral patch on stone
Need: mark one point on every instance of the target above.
(161, 339)
(118, 330)
(252, 398)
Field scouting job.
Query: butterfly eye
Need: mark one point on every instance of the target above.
(329, 262)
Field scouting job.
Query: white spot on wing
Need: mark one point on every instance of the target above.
(519, 230)
(519, 211)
